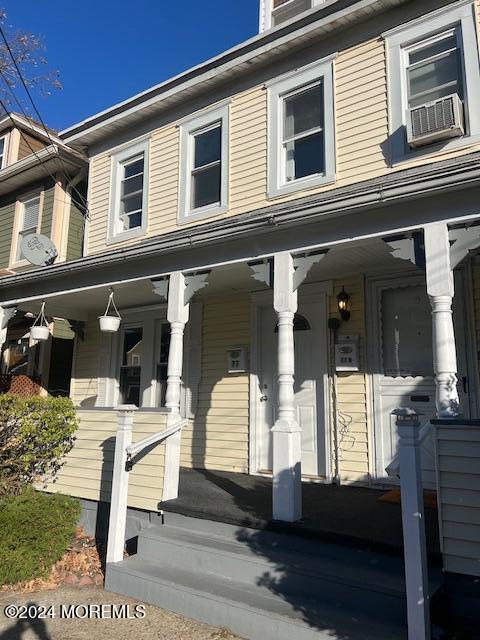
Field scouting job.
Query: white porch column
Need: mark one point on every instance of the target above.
(413, 521)
(6, 313)
(118, 500)
(177, 316)
(440, 289)
(286, 432)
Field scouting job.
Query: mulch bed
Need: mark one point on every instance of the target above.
(81, 566)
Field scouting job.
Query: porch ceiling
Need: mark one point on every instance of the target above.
(368, 258)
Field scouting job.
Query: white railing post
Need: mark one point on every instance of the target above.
(413, 521)
(118, 501)
(440, 289)
(177, 316)
(286, 432)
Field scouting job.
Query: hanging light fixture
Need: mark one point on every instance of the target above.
(343, 301)
(39, 329)
(109, 322)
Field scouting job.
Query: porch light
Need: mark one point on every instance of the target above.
(39, 329)
(344, 300)
(110, 322)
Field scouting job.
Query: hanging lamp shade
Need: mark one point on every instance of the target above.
(110, 321)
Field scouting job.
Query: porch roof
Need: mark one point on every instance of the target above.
(451, 187)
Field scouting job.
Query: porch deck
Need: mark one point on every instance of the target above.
(345, 514)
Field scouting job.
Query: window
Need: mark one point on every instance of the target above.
(142, 365)
(301, 130)
(30, 214)
(430, 59)
(130, 185)
(3, 152)
(204, 165)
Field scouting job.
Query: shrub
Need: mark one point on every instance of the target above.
(35, 433)
(36, 530)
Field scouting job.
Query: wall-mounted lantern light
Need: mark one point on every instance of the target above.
(344, 300)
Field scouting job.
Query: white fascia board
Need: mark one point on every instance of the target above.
(214, 67)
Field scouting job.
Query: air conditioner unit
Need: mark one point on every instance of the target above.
(435, 121)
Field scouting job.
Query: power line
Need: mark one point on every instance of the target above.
(40, 160)
(27, 90)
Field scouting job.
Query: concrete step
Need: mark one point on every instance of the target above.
(252, 613)
(265, 558)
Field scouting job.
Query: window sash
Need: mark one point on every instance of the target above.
(3, 150)
(195, 171)
(30, 219)
(125, 217)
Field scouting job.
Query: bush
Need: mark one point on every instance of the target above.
(36, 530)
(35, 433)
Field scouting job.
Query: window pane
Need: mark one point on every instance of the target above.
(431, 75)
(206, 187)
(31, 209)
(133, 168)
(305, 157)
(2, 150)
(132, 184)
(130, 370)
(208, 147)
(433, 49)
(133, 221)
(133, 203)
(303, 111)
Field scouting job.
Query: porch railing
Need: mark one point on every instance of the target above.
(125, 457)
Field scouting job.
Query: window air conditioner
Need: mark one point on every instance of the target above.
(435, 121)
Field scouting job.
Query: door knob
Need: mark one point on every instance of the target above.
(263, 398)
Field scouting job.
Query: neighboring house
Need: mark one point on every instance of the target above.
(38, 174)
(313, 190)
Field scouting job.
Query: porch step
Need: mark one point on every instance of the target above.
(265, 585)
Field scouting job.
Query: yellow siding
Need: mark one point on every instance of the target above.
(218, 437)
(87, 472)
(352, 425)
(86, 366)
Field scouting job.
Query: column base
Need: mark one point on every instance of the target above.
(287, 471)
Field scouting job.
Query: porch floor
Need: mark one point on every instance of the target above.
(345, 514)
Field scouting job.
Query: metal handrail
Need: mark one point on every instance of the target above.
(134, 449)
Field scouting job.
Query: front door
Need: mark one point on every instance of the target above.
(401, 347)
(310, 377)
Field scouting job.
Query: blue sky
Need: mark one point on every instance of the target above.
(108, 50)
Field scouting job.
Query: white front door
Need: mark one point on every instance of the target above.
(402, 361)
(310, 337)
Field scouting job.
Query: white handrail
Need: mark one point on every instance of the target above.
(134, 449)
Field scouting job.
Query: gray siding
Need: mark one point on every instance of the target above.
(7, 215)
(458, 465)
(47, 212)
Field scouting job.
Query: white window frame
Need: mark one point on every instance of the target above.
(18, 225)
(399, 42)
(277, 91)
(115, 234)
(188, 130)
(4, 160)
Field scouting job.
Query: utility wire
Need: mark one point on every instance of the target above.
(27, 90)
(41, 162)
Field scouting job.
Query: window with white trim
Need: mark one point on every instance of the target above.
(204, 165)
(301, 130)
(130, 187)
(3, 151)
(30, 215)
(430, 59)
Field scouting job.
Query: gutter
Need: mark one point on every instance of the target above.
(405, 185)
(318, 21)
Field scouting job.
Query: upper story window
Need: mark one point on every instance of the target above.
(3, 151)
(29, 223)
(275, 12)
(128, 214)
(301, 130)
(204, 165)
(434, 83)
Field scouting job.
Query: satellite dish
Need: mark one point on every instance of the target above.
(38, 249)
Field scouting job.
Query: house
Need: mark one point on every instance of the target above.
(288, 232)
(38, 174)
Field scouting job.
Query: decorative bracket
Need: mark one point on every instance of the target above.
(262, 271)
(464, 240)
(409, 247)
(78, 328)
(302, 265)
(6, 314)
(160, 287)
(193, 283)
